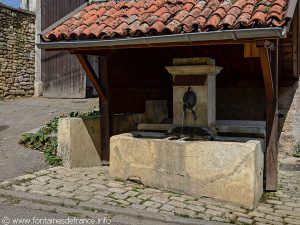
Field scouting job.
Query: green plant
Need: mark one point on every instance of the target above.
(50, 153)
(296, 152)
(90, 113)
(45, 139)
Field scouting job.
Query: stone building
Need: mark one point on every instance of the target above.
(17, 52)
(29, 5)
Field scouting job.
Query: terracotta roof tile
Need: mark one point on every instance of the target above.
(125, 18)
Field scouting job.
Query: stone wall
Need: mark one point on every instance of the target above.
(17, 52)
(289, 107)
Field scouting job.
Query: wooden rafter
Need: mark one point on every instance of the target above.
(270, 71)
(267, 73)
(91, 74)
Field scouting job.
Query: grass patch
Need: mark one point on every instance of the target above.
(12, 200)
(296, 151)
(135, 189)
(74, 214)
(119, 180)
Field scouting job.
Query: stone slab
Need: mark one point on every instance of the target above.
(202, 168)
(78, 142)
(242, 127)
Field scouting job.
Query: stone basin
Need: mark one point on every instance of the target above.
(228, 171)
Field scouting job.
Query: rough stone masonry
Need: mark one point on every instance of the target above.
(17, 35)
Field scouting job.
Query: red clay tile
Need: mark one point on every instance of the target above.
(188, 6)
(248, 8)
(228, 21)
(259, 17)
(157, 27)
(152, 9)
(276, 9)
(181, 15)
(221, 12)
(151, 20)
(125, 18)
(234, 11)
(206, 12)
(282, 3)
(165, 17)
(214, 21)
(200, 22)
(90, 20)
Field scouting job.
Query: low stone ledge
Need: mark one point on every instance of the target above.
(79, 142)
(229, 171)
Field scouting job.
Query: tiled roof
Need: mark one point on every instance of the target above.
(119, 19)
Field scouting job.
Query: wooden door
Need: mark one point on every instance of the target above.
(62, 75)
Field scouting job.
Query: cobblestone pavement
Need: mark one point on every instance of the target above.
(90, 186)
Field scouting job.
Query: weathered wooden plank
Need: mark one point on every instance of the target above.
(91, 74)
(105, 111)
(271, 84)
(267, 74)
(62, 78)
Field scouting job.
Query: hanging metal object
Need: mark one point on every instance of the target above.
(189, 102)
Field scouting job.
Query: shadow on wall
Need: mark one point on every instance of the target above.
(240, 103)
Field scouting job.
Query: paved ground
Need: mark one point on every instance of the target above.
(88, 193)
(90, 188)
(21, 115)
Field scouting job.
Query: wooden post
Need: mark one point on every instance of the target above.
(102, 87)
(270, 76)
(105, 117)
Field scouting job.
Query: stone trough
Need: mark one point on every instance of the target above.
(200, 162)
(229, 171)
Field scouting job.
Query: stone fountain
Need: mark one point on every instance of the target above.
(226, 170)
(195, 76)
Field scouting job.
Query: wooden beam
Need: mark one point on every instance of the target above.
(270, 76)
(158, 45)
(105, 112)
(91, 74)
(267, 74)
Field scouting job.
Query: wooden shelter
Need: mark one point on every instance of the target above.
(256, 42)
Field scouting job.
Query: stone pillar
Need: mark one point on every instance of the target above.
(205, 107)
(38, 85)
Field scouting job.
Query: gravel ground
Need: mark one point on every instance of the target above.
(20, 115)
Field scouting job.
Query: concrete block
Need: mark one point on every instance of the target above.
(79, 142)
(229, 171)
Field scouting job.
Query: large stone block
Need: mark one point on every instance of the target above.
(79, 142)
(229, 171)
